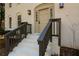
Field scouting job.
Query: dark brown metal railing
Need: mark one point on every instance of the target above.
(47, 35)
(15, 36)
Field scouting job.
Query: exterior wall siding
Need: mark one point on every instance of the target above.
(69, 24)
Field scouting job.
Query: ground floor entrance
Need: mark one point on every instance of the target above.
(43, 13)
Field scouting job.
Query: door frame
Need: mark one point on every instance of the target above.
(41, 7)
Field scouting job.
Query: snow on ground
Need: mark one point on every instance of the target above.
(27, 47)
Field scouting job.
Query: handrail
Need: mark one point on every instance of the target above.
(14, 30)
(47, 35)
(44, 38)
(15, 36)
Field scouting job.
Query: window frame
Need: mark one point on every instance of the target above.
(10, 22)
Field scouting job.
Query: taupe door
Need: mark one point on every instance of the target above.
(43, 17)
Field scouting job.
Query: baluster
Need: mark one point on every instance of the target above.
(59, 33)
(30, 28)
(50, 32)
(10, 41)
(15, 35)
(25, 29)
(7, 44)
(21, 32)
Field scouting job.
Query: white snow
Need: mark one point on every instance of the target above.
(29, 47)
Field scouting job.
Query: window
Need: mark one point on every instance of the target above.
(19, 20)
(10, 22)
(29, 12)
(10, 4)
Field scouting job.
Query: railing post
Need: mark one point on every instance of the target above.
(50, 32)
(6, 45)
(25, 29)
(41, 49)
(59, 32)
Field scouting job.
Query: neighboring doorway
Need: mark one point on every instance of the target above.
(42, 17)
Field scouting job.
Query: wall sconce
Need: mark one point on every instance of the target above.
(29, 12)
(61, 5)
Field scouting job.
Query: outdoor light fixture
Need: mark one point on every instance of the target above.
(61, 5)
(29, 12)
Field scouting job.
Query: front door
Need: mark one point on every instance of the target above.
(42, 18)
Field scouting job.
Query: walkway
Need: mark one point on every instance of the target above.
(27, 47)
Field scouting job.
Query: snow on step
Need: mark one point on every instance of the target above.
(27, 47)
(55, 47)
